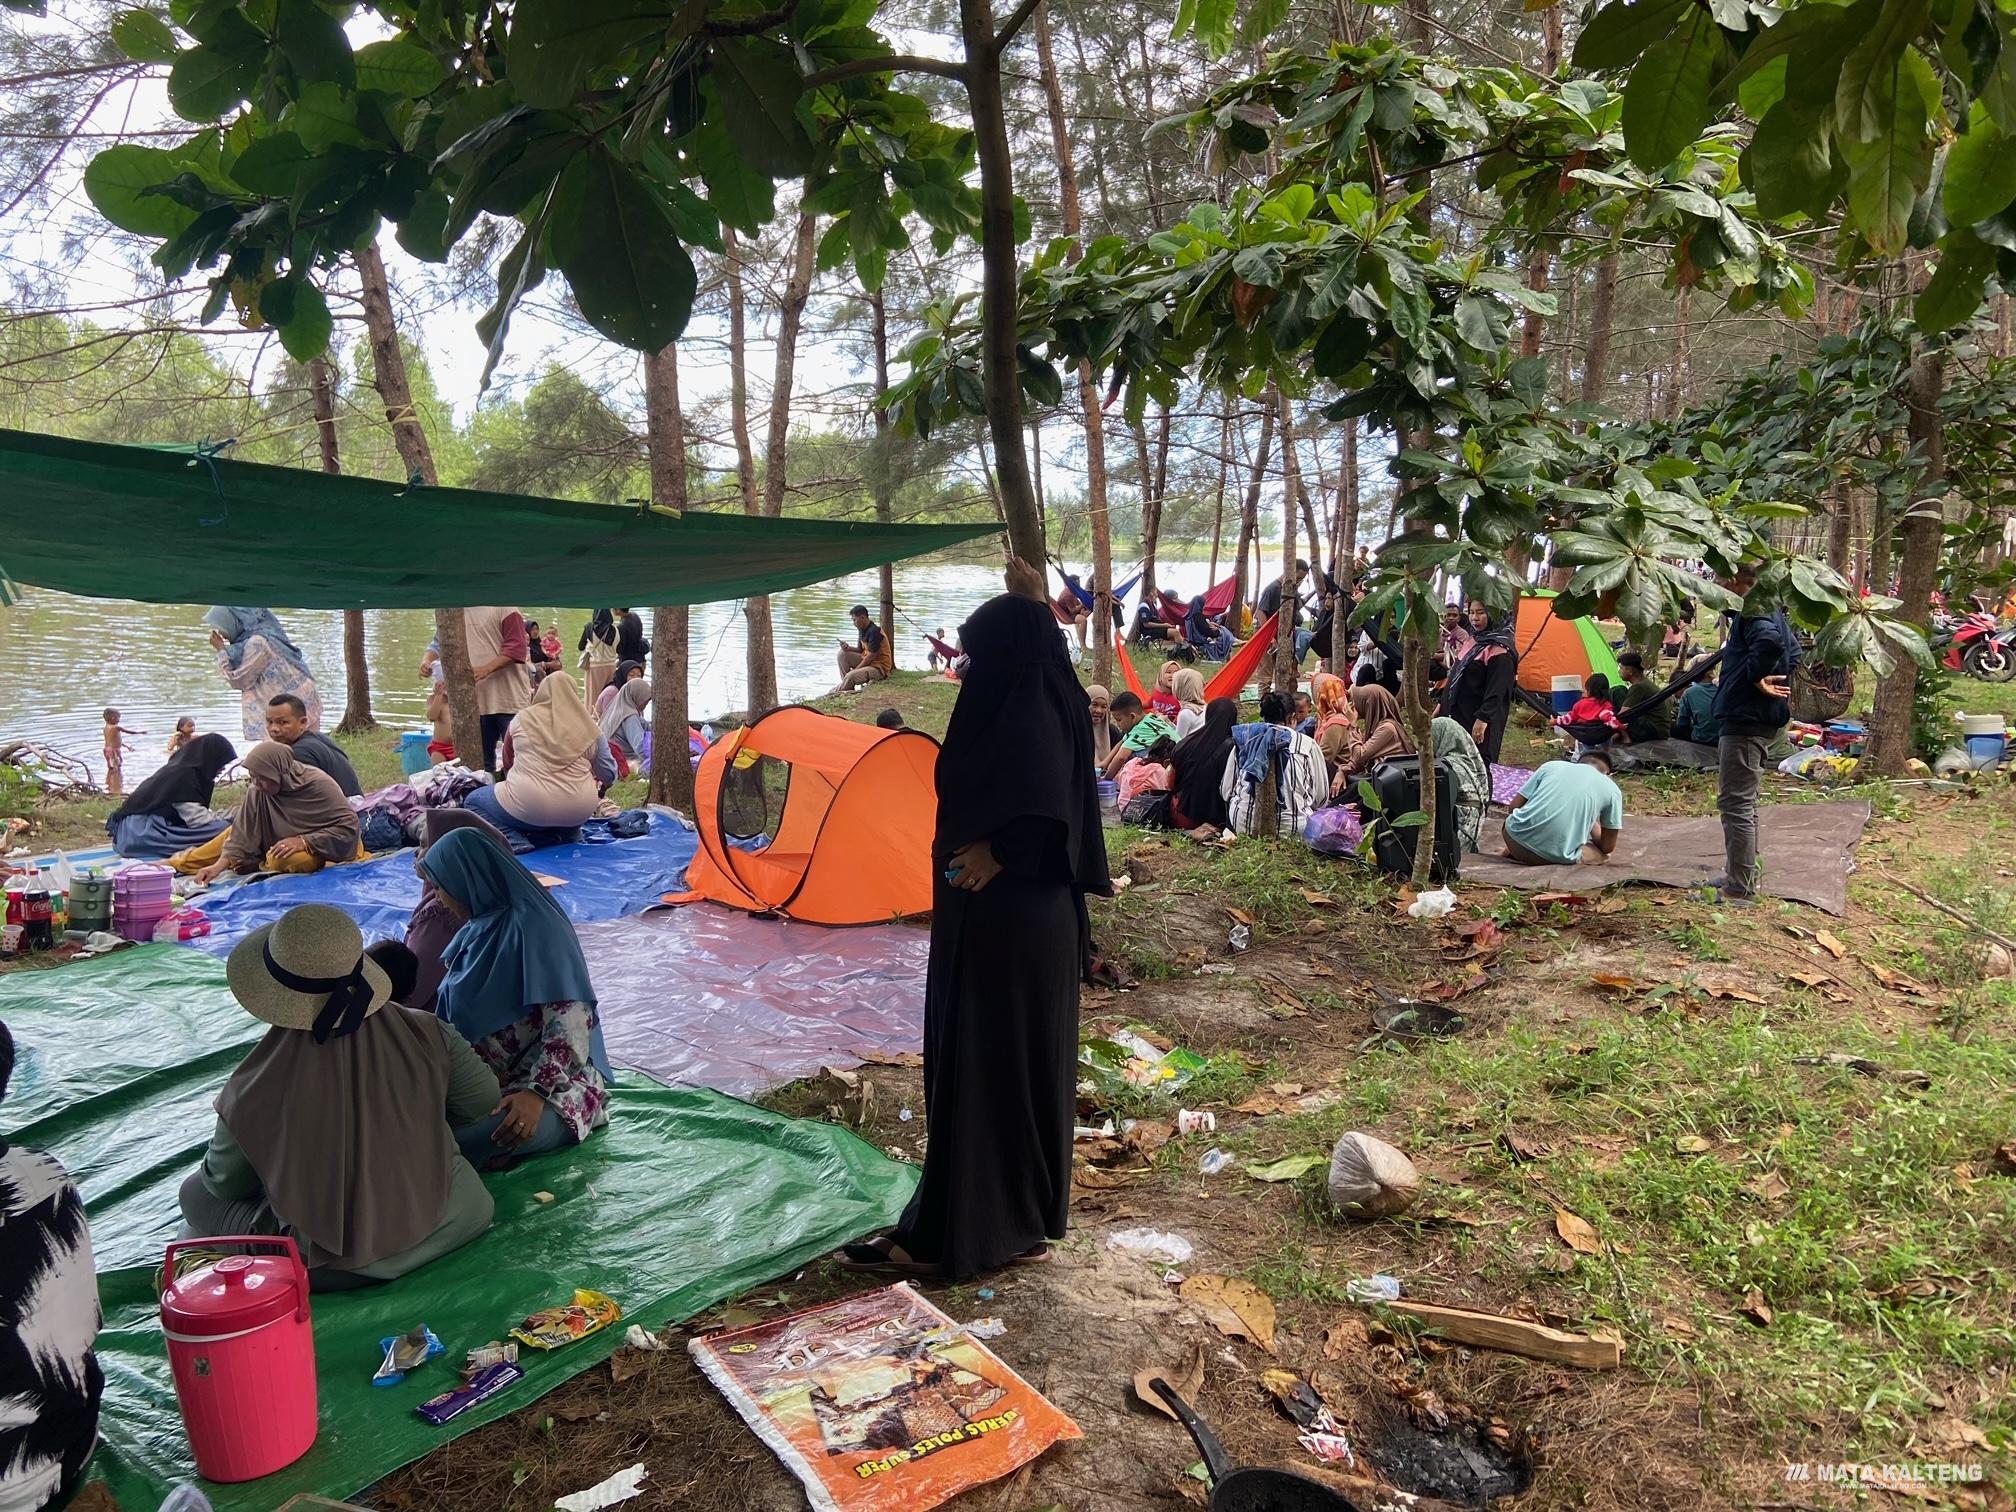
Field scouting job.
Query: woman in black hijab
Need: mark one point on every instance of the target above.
(1199, 768)
(152, 822)
(630, 641)
(1479, 695)
(1018, 847)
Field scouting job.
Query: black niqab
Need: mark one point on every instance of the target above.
(189, 776)
(1019, 744)
(1200, 765)
(630, 644)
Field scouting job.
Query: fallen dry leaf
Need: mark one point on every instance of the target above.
(1691, 1144)
(628, 1362)
(1147, 1136)
(891, 1058)
(1240, 916)
(1237, 1309)
(1949, 1432)
(1520, 1148)
(1680, 1329)
(1317, 900)
(1612, 904)
(1720, 988)
(1345, 1336)
(1187, 1378)
(1827, 942)
(1317, 968)
(1576, 1233)
(1086, 1178)
(1565, 899)
(2003, 1161)
(1896, 981)
(1756, 1309)
(1771, 1186)
(1610, 982)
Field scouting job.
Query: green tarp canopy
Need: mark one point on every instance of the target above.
(185, 525)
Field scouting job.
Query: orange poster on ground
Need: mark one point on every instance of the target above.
(881, 1403)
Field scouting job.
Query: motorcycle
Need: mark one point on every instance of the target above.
(1976, 646)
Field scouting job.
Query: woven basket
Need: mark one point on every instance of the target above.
(1821, 693)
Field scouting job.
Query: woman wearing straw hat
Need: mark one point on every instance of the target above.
(335, 1130)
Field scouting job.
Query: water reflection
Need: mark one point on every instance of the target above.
(64, 660)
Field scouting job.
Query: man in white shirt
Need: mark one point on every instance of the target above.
(1295, 761)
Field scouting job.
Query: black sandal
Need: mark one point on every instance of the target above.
(880, 1254)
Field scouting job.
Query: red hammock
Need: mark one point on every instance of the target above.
(1230, 679)
(1219, 599)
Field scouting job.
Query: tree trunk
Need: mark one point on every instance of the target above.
(885, 487)
(1284, 658)
(356, 670)
(1682, 393)
(1154, 481)
(1419, 710)
(1841, 527)
(1347, 501)
(1291, 460)
(1533, 325)
(1249, 516)
(999, 370)
(1596, 351)
(776, 441)
(756, 608)
(1923, 531)
(665, 425)
(388, 369)
(1071, 220)
(1218, 508)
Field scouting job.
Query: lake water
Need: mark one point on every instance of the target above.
(63, 660)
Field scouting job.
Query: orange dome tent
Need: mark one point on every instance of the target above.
(816, 818)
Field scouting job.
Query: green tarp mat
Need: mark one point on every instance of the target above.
(188, 526)
(686, 1198)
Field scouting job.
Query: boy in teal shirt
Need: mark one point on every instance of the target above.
(1570, 812)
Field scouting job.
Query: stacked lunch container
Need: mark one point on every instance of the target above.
(141, 897)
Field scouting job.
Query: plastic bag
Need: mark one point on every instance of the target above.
(1432, 905)
(1371, 1179)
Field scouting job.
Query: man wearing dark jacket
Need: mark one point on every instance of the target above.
(1752, 705)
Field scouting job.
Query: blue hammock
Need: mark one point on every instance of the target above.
(1084, 595)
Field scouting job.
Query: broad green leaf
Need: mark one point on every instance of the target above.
(1620, 33)
(207, 82)
(1980, 170)
(1478, 322)
(313, 41)
(741, 196)
(522, 269)
(144, 37)
(1864, 93)
(1666, 103)
(1789, 164)
(399, 67)
(117, 180)
(302, 320)
(1806, 32)
(1262, 17)
(1998, 90)
(1886, 172)
(323, 115)
(556, 45)
(620, 251)
(271, 166)
(758, 84)
(1958, 285)
(421, 232)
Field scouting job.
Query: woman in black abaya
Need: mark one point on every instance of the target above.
(1018, 847)
(1483, 684)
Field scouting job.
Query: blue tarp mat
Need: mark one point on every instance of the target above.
(601, 881)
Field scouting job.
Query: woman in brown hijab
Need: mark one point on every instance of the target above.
(1385, 734)
(292, 818)
(334, 1131)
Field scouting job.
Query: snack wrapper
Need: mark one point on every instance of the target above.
(551, 1327)
(482, 1386)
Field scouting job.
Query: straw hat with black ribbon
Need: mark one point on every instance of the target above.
(307, 970)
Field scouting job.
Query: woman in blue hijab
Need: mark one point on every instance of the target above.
(517, 988)
(258, 659)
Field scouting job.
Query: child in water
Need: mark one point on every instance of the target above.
(116, 746)
(185, 731)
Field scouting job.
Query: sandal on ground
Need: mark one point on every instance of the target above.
(1037, 1254)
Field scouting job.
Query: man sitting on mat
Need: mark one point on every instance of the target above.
(1570, 812)
(870, 659)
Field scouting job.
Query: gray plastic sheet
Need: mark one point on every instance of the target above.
(705, 996)
(1807, 850)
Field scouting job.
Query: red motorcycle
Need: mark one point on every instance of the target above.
(1977, 646)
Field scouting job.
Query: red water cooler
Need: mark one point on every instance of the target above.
(243, 1357)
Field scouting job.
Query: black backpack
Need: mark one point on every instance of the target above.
(1397, 782)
